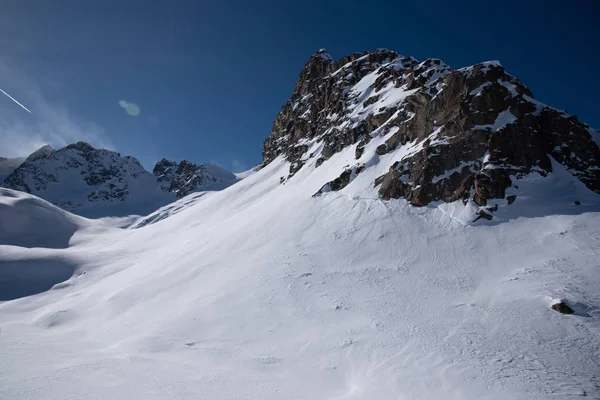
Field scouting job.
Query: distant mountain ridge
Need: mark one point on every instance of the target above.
(98, 182)
(8, 165)
(186, 177)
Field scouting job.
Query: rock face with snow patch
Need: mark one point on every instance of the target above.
(445, 134)
(185, 177)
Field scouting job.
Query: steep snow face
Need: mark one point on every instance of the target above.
(260, 291)
(88, 181)
(185, 177)
(8, 165)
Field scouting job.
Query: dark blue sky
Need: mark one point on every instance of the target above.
(210, 77)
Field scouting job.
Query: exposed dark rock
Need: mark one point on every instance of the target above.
(186, 177)
(81, 146)
(327, 151)
(340, 182)
(511, 199)
(484, 215)
(577, 203)
(562, 308)
(379, 180)
(381, 149)
(41, 152)
(295, 167)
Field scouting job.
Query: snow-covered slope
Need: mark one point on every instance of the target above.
(260, 291)
(8, 165)
(100, 183)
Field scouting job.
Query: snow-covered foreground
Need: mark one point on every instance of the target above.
(262, 292)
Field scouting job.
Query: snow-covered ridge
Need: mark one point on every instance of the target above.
(8, 165)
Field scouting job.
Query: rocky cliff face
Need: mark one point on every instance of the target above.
(185, 177)
(446, 134)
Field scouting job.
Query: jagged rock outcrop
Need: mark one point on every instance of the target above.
(445, 134)
(185, 177)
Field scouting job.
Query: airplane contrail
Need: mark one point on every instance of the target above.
(15, 100)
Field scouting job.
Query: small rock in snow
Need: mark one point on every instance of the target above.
(562, 308)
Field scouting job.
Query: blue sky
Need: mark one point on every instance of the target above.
(209, 77)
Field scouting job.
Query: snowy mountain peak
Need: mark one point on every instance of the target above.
(433, 132)
(8, 165)
(323, 55)
(81, 146)
(39, 153)
(186, 177)
(89, 181)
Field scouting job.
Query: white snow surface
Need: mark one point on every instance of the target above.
(8, 165)
(261, 292)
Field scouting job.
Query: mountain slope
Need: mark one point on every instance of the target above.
(347, 296)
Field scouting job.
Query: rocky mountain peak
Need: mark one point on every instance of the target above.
(81, 146)
(78, 175)
(39, 153)
(186, 177)
(445, 134)
(324, 55)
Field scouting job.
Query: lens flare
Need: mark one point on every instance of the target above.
(132, 109)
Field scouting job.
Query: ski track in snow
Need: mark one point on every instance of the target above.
(260, 291)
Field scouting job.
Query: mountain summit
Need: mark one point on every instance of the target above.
(185, 177)
(442, 134)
